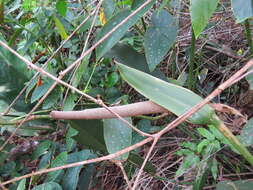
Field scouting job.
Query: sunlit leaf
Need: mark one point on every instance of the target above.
(201, 11)
(60, 28)
(172, 97)
(102, 17)
(61, 6)
(118, 135)
(159, 37)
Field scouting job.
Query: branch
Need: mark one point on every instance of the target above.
(129, 110)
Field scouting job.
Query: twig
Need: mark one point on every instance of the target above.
(120, 165)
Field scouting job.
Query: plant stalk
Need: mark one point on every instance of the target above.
(232, 139)
(248, 35)
(191, 62)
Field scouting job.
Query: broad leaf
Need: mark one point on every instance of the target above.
(128, 56)
(249, 78)
(118, 135)
(60, 160)
(71, 176)
(90, 133)
(41, 90)
(21, 185)
(48, 186)
(242, 9)
(119, 33)
(246, 136)
(159, 37)
(235, 185)
(201, 11)
(172, 97)
(41, 149)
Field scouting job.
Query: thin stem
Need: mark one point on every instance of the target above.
(232, 139)
(248, 35)
(191, 62)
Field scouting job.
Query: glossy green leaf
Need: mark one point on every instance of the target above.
(117, 135)
(60, 160)
(61, 6)
(71, 177)
(90, 133)
(201, 11)
(112, 79)
(205, 133)
(48, 186)
(21, 185)
(246, 136)
(70, 103)
(242, 9)
(120, 32)
(235, 185)
(159, 37)
(202, 145)
(172, 97)
(60, 28)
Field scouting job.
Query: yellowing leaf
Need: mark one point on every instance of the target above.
(60, 28)
(102, 17)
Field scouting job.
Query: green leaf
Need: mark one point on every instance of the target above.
(159, 37)
(70, 102)
(41, 149)
(106, 45)
(246, 136)
(249, 79)
(109, 7)
(128, 56)
(202, 144)
(112, 79)
(138, 161)
(48, 186)
(235, 185)
(190, 161)
(117, 135)
(90, 133)
(60, 28)
(172, 97)
(201, 11)
(242, 9)
(214, 168)
(41, 90)
(205, 133)
(60, 160)
(53, 97)
(21, 185)
(61, 7)
(71, 176)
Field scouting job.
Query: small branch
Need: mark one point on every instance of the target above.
(140, 108)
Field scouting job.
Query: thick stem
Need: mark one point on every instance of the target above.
(248, 35)
(232, 139)
(191, 62)
(129, 110)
